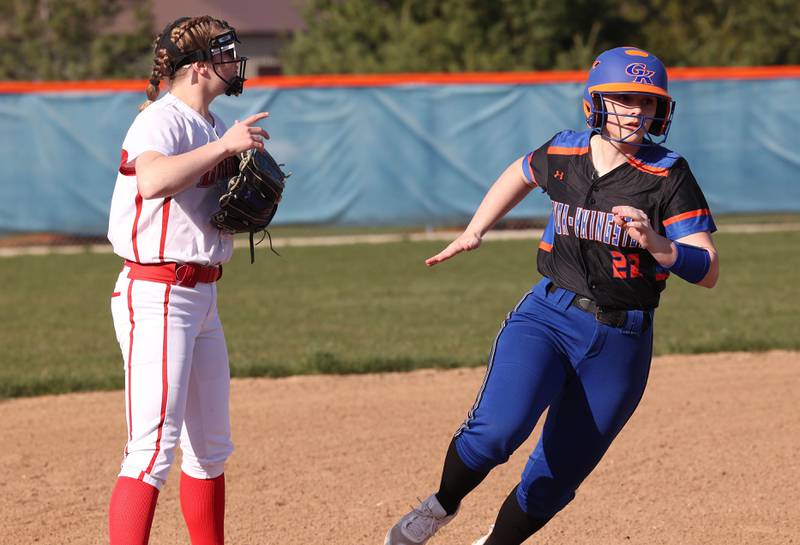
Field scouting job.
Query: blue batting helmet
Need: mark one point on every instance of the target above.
(628, 70)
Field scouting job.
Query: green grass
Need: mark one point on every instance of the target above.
(774, 217)
(362, 308)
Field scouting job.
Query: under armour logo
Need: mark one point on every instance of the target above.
(640, 73)
(559, 175)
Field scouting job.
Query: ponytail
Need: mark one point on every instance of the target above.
(152, 90)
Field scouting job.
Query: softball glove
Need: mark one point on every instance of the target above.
(251, 198)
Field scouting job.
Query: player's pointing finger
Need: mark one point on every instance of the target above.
(255, 117)
(451, 250)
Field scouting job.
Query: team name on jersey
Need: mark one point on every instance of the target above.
(589, 224)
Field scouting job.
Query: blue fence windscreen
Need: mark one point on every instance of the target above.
(394, 155)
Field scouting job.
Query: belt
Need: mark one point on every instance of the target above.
(184, 274)
(613, 318)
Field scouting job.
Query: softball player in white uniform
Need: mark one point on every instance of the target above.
(177, 379)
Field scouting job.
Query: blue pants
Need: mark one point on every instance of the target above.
(549, 353)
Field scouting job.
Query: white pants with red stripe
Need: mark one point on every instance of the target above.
(177, 379)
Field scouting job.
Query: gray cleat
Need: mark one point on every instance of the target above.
(418, 525)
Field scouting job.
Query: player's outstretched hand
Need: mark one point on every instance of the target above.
(636, 223)
(245, 135)
(464, 243)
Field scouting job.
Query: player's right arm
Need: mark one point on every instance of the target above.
(159, 175)
(509, 189)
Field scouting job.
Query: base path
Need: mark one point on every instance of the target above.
(710, 457)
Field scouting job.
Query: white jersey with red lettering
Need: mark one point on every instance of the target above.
(176, 228)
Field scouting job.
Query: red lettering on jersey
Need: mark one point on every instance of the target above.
(223, 170)
(127, 168)
(559, 175)
(208, 179)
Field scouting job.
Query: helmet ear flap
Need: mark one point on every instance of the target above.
(595, 113)
(661, 121)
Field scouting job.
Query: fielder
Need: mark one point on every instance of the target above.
(626, 214)
(164, 307)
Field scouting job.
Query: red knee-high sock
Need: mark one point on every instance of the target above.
(203, 506)
(130, 514)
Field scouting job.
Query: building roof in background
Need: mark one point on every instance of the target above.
(246, 16)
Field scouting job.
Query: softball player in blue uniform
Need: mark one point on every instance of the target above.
(627, 213)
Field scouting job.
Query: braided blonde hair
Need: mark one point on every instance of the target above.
(190, 35)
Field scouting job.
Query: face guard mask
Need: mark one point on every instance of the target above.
(222, 50)
(659, 126)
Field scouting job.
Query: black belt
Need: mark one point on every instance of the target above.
(613, 318)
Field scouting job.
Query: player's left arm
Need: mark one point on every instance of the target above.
(692, 257)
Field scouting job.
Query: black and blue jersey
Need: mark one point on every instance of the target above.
(582, 249)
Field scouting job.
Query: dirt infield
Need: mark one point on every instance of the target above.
(712, 456)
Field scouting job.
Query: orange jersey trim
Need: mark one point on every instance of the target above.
(686, 215)
(546, 246)
(424, 78)
(649, 169)
(561, 150)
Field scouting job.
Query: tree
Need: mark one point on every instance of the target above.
(719, 32)
(73, 39)
(450, 35)
(475, 35)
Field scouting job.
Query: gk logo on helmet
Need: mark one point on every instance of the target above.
(640, 73)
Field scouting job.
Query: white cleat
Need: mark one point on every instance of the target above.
(482, 540)
(419, 524)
